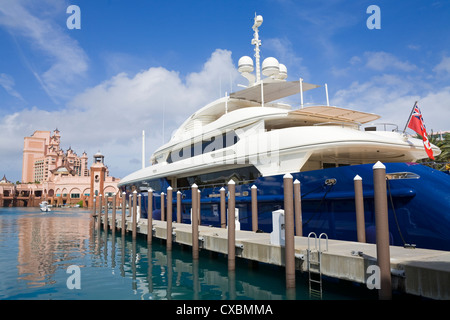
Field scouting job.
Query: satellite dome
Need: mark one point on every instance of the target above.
(270, 67)
(283, 72)
(245, 64)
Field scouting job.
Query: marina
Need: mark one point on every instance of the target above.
(36, 251)
(256, 195)
(417, 272)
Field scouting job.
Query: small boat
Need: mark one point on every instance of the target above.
(44, 206)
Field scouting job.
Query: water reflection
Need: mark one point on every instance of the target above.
(160, 274)
(116, 267)
(46, 241)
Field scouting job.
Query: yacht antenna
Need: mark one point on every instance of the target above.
(257, 43)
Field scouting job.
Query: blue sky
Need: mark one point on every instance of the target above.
(147, 65)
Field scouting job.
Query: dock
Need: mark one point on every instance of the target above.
(419, 272)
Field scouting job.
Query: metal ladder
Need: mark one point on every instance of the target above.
(314, 266)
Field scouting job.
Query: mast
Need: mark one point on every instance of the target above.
(257, 43)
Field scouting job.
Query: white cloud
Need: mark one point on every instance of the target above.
(110, 117)
(381, 61)
(68, 60)
(393, 97)
(443, 67)
(7, 82)
(283, 50)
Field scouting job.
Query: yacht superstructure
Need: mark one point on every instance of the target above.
(252, 138)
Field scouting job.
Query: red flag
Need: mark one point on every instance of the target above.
(416, 123)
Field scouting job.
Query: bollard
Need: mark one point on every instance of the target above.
(359, 207)
(150, 217)
(223, 221)
(382, 230)
(113, 216)
(231, 227)
(169, 219)
(298, 209)
(163, 218)
(124, 208)
(179, 206)
(134, 215)
(194, 222)
(254, 208)
(289, 231)
(100, 202)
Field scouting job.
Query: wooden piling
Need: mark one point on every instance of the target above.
(99, 220)
(169, 219)
(298, 209)
(134, 215)
(382, 230)
(94, 211)
(124, 208)
(199, 208)
(289, 231)
(150, 217)
(359, 208)
(105, 222)
(113, 215)
(179, 206)
(223, 219)
(194, 222)
(231, 227)
(254, 208)
(163, 218)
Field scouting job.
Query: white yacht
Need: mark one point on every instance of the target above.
(254, 139)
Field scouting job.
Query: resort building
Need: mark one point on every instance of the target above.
(61, 178)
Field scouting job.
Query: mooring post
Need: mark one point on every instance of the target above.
(359, 207)
(254, 208)
(150, 217)
(163, 218)
(289, 229)
(223, 220)
(179, 206)
(231, 227)
(100, 202)
(113, 216)
(199, 208)
(105, 222)
(298, 209)
(94, 211)
(194, 222)
(169, 219)
(382, 230)
(134, 216)
(124, 208)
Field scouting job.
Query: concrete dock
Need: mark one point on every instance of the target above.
(419, 272)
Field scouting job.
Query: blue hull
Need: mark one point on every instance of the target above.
(419, 207)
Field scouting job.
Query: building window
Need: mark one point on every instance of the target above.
(75, 196)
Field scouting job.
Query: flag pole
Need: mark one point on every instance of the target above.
(412, 110)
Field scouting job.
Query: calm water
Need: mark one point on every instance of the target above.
(37, 249)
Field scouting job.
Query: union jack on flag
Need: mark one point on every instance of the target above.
(417, 124)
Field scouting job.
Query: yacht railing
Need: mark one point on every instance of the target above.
(353, 125)
(381, 126)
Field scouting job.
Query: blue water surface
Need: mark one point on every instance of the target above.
(36, 251)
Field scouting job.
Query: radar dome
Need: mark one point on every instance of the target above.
(283, 72)
(270, 67)
(245, 64)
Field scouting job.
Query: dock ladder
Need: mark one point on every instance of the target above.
(314, 265)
